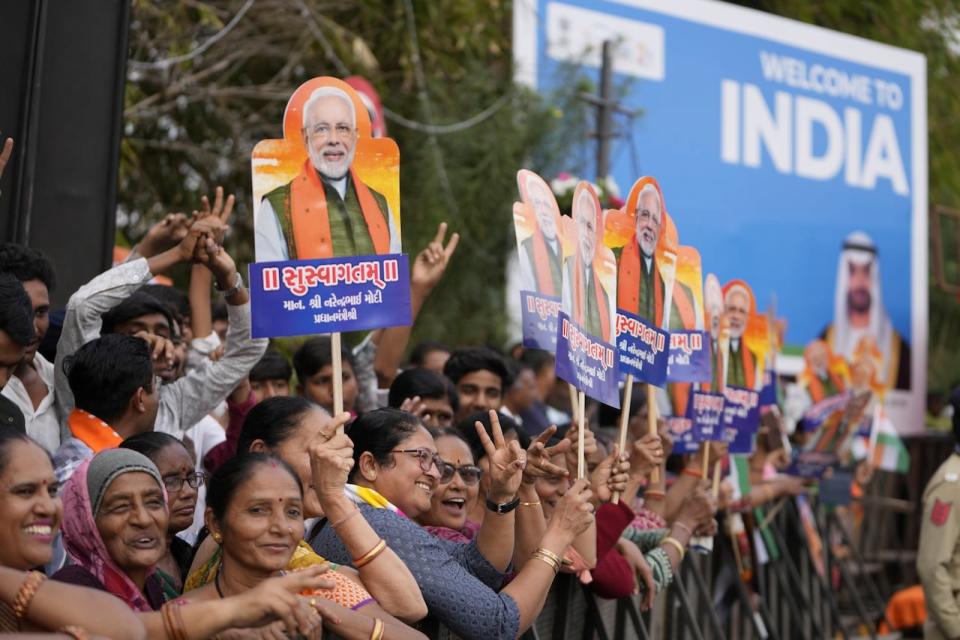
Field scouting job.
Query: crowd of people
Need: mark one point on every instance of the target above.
(165, 474)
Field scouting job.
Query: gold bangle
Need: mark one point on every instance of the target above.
(550, 554)
(530, 504)
(28, 589)
(689, 531)
(369, 556)
(654, 494)
(538, 555)
(377, 632)
(676, 544)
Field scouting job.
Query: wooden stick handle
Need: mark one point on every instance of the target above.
(652, 424)
(716, 480)
(581, 416)
(624, 421)
(337, 375)
(706, 458)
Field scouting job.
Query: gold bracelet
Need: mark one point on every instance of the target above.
(689, 531)
(676, 544)
(28, 589)
(530, 504)
(538, 555)
(550, 554)
(369, 556)
(377, 632)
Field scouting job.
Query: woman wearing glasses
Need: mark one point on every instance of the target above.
(304, 436)
(183, 484)
(456, 492)
(397, 471)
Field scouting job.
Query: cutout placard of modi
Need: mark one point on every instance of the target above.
(541, 252)
(640, 285)
(325, 210)
(585, 298)
(859, 316)
(738, 307)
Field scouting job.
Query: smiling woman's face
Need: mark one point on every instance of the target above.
(30, 510)
(132, 522)
(452, 501)
(263, 522)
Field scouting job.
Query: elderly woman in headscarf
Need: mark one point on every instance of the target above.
(114, 529)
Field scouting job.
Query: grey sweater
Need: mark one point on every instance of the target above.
(458, 584)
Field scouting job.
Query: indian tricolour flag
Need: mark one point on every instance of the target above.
(885, 449)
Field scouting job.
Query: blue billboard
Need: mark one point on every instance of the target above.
(792, 156)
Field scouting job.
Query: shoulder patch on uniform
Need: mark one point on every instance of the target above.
(940, 512)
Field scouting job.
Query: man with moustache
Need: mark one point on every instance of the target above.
(541, 254)
(326, 211)
(859, 313)
(641, 290)
(586, 301)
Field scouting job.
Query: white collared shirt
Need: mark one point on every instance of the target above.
(43, 422)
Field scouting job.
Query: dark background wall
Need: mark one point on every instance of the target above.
(62, 72)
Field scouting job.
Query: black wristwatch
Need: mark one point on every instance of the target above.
(506, 507)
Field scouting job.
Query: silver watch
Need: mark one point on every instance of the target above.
(237, 285)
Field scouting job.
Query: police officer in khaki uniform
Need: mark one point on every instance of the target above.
(938, 560)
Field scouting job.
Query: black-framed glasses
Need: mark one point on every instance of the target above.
(428, 459)
(469, 473)
(175, 483)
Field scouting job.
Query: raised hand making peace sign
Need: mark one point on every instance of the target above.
(507, 461)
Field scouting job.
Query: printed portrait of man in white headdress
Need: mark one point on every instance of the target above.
(861, 324)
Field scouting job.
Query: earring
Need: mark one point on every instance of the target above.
(217, 538)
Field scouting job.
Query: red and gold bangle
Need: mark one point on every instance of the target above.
(693, 473)
(369, 556)
(28, 589)
(654, 494)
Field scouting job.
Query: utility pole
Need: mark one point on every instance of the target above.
(606, 106)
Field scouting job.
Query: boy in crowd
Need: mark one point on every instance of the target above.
(116, 395)
(427, 395)
(313, 362)
(480, 376)
(271, 376)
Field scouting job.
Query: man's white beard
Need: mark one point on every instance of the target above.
(647, 248)
(332, 170)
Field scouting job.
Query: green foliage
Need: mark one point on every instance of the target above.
(192, 125)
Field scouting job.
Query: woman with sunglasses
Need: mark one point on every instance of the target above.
(396, 472)
(183, 484)
(456, 492)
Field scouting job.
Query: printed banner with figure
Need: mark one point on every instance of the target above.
(540, 230)
(646, 278)
(327, 220)
(586, 355)
(689, 342)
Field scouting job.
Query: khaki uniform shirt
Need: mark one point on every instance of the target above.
(938, 559)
